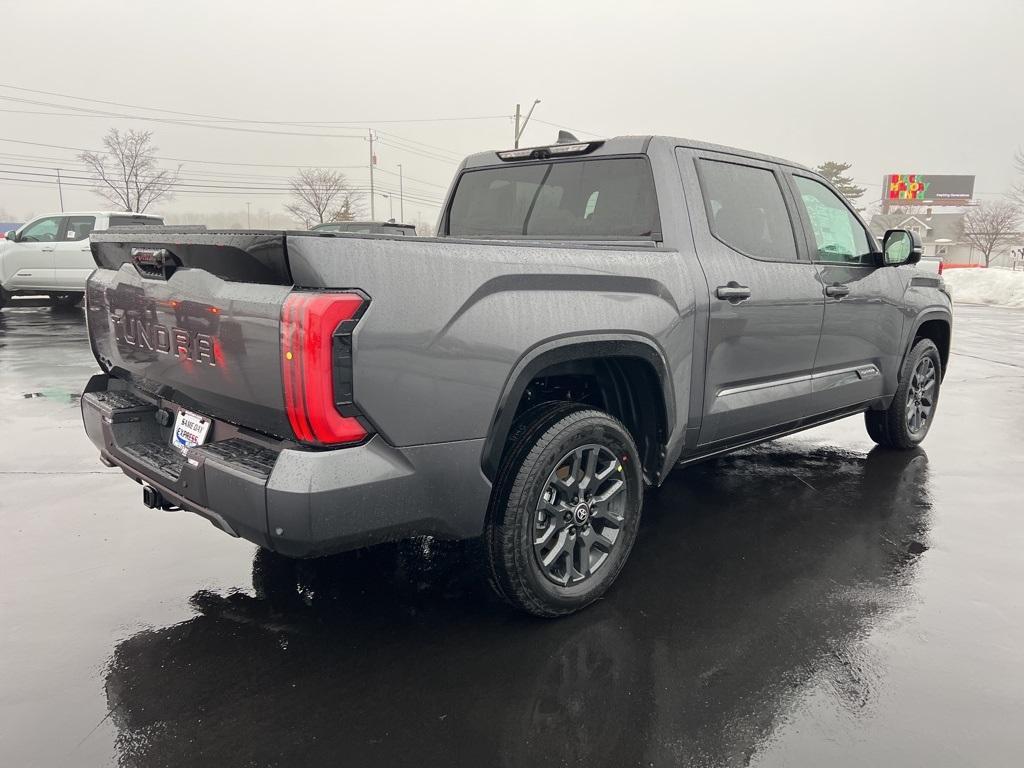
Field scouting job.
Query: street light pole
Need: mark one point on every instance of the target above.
(248, 215)
(401, 195)
(373, 161)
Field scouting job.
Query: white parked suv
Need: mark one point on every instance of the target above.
(50, 255)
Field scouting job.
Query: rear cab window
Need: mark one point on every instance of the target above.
(136, 221)
(585, 199)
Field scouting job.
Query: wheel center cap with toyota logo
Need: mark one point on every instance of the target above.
(581, 514)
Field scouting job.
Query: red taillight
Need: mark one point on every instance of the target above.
(941, 264)
(308, 325)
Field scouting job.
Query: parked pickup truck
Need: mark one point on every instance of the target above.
(592, 315)
(50, 255)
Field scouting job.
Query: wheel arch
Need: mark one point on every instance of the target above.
(936, 325)
(629, 368)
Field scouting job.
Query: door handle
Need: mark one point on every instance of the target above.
(837, 291)
(733, 292)
(46, 250)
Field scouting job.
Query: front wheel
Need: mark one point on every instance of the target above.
(909, 416)
(564, 511)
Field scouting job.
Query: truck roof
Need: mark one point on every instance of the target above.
(625, 145)
(99, 213)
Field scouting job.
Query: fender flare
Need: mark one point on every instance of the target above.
(929, 314)
(561, 350)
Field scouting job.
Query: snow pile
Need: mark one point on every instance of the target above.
(1001, 287)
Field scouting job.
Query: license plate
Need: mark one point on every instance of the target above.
(190, 430)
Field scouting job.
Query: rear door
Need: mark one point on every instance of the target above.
(28, 263)
(860, 347)
(72, 259)
(766, 300)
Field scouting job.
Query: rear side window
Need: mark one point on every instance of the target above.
(746, 210)
(79, 227)
(135, 221)
(611, 198)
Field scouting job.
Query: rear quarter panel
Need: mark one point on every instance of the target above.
(449, 321)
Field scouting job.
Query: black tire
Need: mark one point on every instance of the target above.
(5, 298)
(903, 424)
(66, 299)
(538, 468)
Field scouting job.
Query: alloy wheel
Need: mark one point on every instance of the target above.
(921, 395)
(580, 514)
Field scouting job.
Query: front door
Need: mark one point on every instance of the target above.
(766, 301)
(72, 257)
(28, 262)
(860, 349)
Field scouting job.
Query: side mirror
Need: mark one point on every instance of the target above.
(901, 246)
(12, 236)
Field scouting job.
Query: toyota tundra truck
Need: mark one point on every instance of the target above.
(591, 315)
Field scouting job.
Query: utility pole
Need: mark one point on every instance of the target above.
(248, 215)
(373, 161)
(520, 129)
(60, 190)
(401, 195)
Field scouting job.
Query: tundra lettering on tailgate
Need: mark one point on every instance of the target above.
(154, 337)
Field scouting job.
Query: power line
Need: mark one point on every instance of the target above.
(313, 123)
(86, 112)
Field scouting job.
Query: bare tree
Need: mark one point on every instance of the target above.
(127, 174)
(321, 195)
(1017, 195)
(990, 225)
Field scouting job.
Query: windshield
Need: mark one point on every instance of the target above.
(584, 199)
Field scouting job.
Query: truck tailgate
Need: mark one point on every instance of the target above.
(194, 319)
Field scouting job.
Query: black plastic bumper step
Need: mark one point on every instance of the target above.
(119, 406)
(242, 454)
(157, 455)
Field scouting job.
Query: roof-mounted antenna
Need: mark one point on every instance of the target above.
(564, 137)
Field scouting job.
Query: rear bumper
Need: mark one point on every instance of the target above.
(298, 502)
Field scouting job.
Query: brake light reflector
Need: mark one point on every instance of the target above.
(313, 327)
(555, 150)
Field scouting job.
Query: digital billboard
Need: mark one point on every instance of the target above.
(926, 189)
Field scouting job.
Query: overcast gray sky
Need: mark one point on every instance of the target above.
(926, 87)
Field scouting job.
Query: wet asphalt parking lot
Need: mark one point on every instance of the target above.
(813, 601)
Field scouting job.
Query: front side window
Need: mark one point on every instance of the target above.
(42, 231)
(79, 227)
(838, 236)
(746, 210)
(611, 198)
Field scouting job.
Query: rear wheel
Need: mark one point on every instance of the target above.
(5, 298)
(564, 511)
(909, 416)
(66, 299)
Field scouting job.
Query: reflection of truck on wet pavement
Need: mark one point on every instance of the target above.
(593, 314)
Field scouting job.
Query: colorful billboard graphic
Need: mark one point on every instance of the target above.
(920, 188)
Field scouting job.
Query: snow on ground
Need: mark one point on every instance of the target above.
(1000, 287)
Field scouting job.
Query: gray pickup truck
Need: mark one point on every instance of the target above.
(592, 315)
